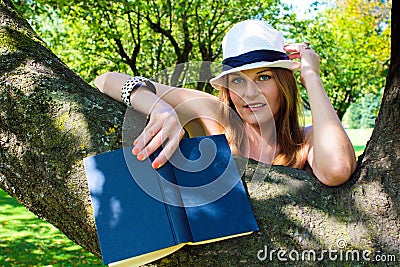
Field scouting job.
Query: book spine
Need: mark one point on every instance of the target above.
(173, 203)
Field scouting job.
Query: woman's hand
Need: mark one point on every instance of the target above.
(309, 61)
(163, 129)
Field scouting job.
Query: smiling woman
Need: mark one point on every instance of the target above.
(267, 97)
(244, 90)
(257, 108)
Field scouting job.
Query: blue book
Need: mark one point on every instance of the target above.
(143, 214)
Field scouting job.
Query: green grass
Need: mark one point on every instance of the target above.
(359, 138)
(26, 240)
(359, 149)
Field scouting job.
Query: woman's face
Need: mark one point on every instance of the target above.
(255, 95)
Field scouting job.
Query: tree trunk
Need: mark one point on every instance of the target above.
(51, 119)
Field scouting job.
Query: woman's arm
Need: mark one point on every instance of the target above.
(169, 110)
(110, 83)
(331, 154)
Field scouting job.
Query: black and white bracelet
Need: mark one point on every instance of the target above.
(132, 84)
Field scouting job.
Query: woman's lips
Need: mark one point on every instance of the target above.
(254, 106)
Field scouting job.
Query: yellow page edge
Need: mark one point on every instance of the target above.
(153, 256)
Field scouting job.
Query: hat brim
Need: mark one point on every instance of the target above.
(292, 65)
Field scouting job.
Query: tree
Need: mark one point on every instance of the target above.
(51, 119)
(144, 37)
(351, 38)
(140, 37)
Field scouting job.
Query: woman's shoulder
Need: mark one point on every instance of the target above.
(305, 150)
(307, 142)
(307, 129)
(307, 132)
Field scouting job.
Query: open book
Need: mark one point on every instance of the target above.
(143, 214)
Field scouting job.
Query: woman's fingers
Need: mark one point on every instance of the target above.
(294, 55)
(147, 135)
(151, 146)
(168, 150)
(164, 128)
(308, 58)
(292, 48)
(167, 133)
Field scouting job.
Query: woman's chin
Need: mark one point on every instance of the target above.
(255, 120)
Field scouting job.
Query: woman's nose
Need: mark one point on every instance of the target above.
(251, 89)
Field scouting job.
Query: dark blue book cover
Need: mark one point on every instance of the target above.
(197, 196)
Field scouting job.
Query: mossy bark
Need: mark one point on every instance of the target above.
(51, 119)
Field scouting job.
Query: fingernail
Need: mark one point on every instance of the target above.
(135, 143)
(135, 151)
(140, 157)
(156, 165)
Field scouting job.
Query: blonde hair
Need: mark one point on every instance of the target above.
(289, 135)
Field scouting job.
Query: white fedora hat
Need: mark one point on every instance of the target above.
(253, 44)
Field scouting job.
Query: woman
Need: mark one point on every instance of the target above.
(257, 87)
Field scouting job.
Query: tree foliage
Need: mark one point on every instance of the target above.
(145, 37)
(363, 113)
(140, 37)
(352, 38)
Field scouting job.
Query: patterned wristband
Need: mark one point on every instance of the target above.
(131, 85)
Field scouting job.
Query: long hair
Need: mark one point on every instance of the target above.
(289, 135)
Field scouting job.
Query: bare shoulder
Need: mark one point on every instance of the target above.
(307, 145)
(308, 130)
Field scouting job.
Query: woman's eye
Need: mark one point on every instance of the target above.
(237, 80)
(264, 77)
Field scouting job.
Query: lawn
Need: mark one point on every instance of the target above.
(26, 240)
(359, 138)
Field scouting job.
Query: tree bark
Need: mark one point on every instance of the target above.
(51, 119)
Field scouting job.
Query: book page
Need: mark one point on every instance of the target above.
(215, 200)
(146, 258)
(129, 221)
